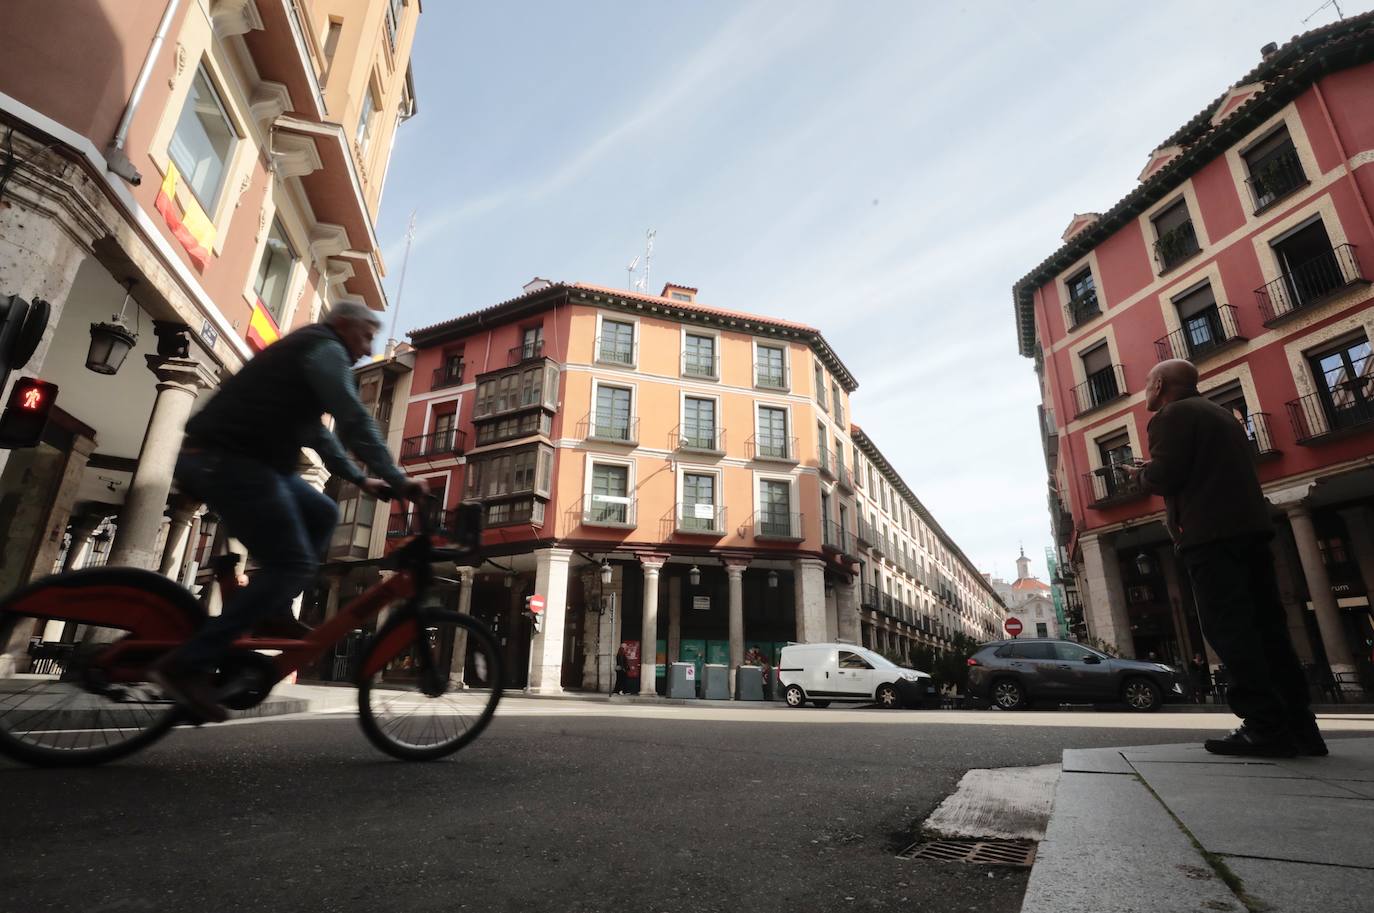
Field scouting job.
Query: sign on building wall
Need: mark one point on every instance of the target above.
(701, 603)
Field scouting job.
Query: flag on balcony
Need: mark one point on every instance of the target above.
(262, 329)
(190, 225)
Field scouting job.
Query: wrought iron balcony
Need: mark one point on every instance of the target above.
(1275, 178)
(844, 476)
(699, 520)
(1110, 485)
(617, 511)
(1347, 408)
(1081, 308)
(1100, 389)
(706, 367)
(1310, 283)
(1176, 245)
(525, 352)
(1261, 441)
(437, 443)
(835, 537)
(615, 351)
(699, 439)
(771, 377)
(866, 536)
(826, 463)
(778, 526)
(870, 598)
(776, 449)
(614, 429)
(408, 522)
(1202, 334)
(448, 376)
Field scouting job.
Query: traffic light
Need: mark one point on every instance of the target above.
(26, 414)
(21, 329)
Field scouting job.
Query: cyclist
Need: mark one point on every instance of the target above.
(241, 456)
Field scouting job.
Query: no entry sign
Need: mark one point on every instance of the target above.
(537, 605)
(1012, 626)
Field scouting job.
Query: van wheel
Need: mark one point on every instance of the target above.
(1007, 695)
(1142, 695)
(794, 696)
(820, 704)
(887, 697)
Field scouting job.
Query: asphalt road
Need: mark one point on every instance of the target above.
(559, 806)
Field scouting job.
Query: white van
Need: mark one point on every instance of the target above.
(821, 673)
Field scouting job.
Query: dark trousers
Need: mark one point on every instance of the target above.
(283, 522)
(620, 686)
(1237, 597)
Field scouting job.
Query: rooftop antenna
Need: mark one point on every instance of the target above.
(648, 256)
(630, 274)
(1335, 3)
(401, 285)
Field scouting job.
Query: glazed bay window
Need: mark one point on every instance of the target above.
(1275, 169)
(517, 389)
(518, 478)
(616, 344)
(700, 502)
(611, 420)
(699, 358)
(1082, 305)
(1175, 239)
(274, 272)
(610, 495)
(771, 368)
(699, 430)
(515, 426)
(203, 141)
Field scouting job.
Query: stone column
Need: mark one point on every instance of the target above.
(808, 575)
(83, 526)
(182, 510)
(847, 606)
(180, 380)
(734, 570)
(674, 618)
(1294, 609)
(1338, 655)
(546, 650)
(186, 572)
(648, 638)
(460, 636)
(1106, 607)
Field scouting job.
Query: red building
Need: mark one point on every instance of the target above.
(1247, 248)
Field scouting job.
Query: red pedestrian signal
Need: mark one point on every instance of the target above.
(26, 414)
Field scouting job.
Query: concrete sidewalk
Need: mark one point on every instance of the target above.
(1172, 828)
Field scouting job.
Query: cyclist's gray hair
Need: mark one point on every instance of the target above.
(353, 310)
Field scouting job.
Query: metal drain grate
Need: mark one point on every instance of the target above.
(1019, 853)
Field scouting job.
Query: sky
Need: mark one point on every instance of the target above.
(883, 171)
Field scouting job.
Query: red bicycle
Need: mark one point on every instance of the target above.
(90, 701)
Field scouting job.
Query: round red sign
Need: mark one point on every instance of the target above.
(536, 604)
(1012, 626)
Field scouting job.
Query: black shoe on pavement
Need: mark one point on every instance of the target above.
(1309, 739)
(192, 691)
(1246, 742)
(284, 626)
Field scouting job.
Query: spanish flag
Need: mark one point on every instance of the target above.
(192, 227)
(262, 329)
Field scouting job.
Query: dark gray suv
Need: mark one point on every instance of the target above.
(1014, 673)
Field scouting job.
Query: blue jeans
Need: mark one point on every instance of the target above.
(286, 526)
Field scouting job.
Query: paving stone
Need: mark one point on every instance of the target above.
(1295, 886)
(1095, 761)
(1362, 787)
(1189, 769)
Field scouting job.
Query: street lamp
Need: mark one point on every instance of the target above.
(510, 579)
(1144, 565)
(111, 342)
(772, 580)
(605, 572)
(694, 575)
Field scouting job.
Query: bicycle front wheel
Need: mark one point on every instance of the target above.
(428, 687)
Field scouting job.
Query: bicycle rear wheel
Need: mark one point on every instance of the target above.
(59, 709)
(425, 697)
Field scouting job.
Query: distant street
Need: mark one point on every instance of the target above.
(562, 805)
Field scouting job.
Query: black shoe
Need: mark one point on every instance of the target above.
(1309, 739)
(283, 626)
(1246, 742)
(192, 691)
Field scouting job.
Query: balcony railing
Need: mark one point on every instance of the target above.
(437, 443)
(1276, 178)
(1100, 389)
(408, 523)
(778, 449)
(1082, 308)
(611, 428)
(1309, 283)
(870, 597)
(826, 463)
(448, 376)
(844, 476)
(614, 351)
(1348, 407)
(618, 511)
(1176, 245)
(1111, 485)
(703, 366)
(526, 351)
(699, 439)
(778, 525)
(1257, 430)
(1202, 334)
(865, 534)
(699, 520)
(835, 537)
(772, 377)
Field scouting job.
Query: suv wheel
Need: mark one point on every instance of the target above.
(887, 697)
(1142, 695)
(1007, 695)
(794, 696)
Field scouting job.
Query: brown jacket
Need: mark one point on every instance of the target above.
(1202, 462)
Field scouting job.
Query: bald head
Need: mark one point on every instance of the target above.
(1169, 381)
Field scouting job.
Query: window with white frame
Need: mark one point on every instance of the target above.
(203, 141)
(699, 356)
(274, 272)
(699, 430)
(612, 420)
(771, 437)
(775, 508)
(819, 379)
(700, 502)
(616, 344)
(610, 494)
(770, 367)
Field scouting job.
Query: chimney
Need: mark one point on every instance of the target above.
(536, 284)
(1269, 50)
(678, 292)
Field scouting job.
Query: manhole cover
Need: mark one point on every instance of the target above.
(1020, 853)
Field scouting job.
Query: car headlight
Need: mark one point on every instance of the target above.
(911, 676)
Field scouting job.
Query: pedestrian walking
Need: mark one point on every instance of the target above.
(1199, 678)
(1200, 461)
(622, 668)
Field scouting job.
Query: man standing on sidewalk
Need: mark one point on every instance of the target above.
(1200, 461)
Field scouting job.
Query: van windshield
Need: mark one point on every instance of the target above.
(879, 662)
